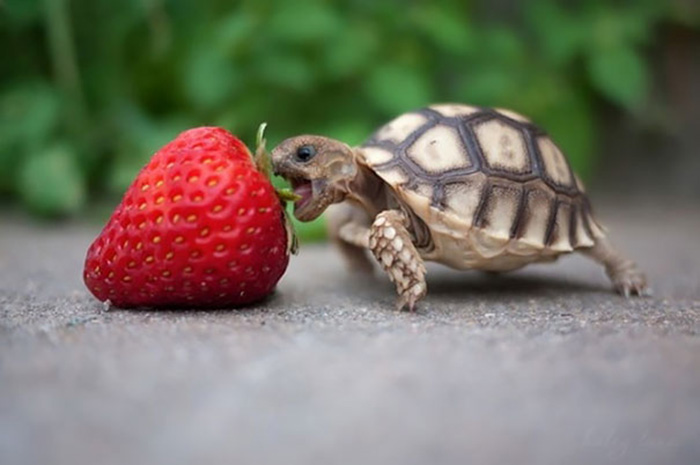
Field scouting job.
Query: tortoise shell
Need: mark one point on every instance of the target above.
(491, 172)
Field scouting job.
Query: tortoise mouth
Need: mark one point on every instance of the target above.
(311, 194)
(304, 189)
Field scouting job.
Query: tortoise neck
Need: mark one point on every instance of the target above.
(368, 190)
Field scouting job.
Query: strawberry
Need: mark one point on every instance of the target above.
(200, 226)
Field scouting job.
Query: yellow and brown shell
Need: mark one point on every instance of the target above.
(484, 171)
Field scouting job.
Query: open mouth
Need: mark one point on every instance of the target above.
(303, 188)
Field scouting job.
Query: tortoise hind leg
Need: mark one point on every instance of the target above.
(625, 275)
(348, 227)
(391, 244)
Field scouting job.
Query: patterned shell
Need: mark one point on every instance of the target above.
(463, 168)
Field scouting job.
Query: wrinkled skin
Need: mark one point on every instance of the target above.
(324, 171)
(321, 174)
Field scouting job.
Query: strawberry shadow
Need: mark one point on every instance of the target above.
(258, 307)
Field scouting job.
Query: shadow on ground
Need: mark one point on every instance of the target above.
(544, 365)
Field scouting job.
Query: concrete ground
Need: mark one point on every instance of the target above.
(541, 366)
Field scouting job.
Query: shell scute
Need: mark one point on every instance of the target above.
(491, 176)
(559, 235)
(535, 218)
(396, 130)
(503, 147)
(439, 149)
(500, 210)
(513, 115)
(451, 110)
(377, 156)
(556, 168)
(462, 199)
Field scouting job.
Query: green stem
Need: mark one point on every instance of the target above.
(159, 25)
(63, 57)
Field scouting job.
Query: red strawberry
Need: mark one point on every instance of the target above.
(200, 226)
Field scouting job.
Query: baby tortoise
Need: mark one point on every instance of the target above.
(469, 187)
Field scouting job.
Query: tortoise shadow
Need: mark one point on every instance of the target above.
(441, 283)
(524, 283)
(474, 283)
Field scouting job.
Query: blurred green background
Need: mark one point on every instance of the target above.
(89, 89)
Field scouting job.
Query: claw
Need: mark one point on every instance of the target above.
(410, 297)
(406, 303)
(627, 278)
(403, 303)
(634, 284)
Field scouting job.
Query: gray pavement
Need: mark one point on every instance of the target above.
(543, 366)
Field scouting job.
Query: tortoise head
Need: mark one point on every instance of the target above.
(319, 169)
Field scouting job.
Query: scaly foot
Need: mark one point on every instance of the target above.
(391, 244)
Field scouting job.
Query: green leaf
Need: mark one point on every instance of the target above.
(351, 50)
(29, 116)
(29, 113)
(209, 77)
(397, 88)
(123, 172)
(501, 45)
(23, 11)
(51, 183)
(303, 22)
(447, 28)
(610, 25)
(569, 120)
(262, 156)
(286, 71)
(620, 74)
(312, 231)
(141, 138)
(352, 131)
(487, 86)
(235, 30)
(687, 13)
(279, 182)
(562, 35)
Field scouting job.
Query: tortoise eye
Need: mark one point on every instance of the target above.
(305, 153)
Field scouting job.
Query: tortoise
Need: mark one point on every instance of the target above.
(465, 186)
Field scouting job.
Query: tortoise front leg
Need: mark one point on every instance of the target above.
(348, 227)
(391, 244)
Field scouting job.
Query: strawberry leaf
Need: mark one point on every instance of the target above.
(287, 195)
(264, 165)
(262, 158)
